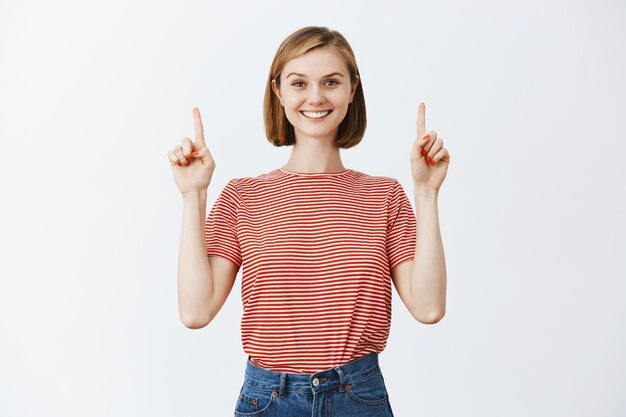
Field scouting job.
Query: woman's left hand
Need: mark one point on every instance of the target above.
(429, 159)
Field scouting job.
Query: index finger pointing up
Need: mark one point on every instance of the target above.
(199, 131)
(421, 121)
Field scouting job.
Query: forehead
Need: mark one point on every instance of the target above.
(316, 63)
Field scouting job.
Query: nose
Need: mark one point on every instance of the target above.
(317, 97)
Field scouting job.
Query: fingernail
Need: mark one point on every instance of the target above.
(424, 152)
(428, 159)
(432, 162)
(426, 137)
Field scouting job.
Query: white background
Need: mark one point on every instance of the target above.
(529, 99)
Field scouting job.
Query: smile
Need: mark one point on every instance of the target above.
(316, 115)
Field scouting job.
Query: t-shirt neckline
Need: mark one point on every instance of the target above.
(314, 174)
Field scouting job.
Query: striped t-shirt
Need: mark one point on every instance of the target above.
(317, 250)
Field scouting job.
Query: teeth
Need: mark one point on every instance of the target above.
(315, 114)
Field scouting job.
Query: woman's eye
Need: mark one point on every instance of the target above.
(300, 82)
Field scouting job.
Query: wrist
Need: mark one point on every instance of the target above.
(194, 195)
(425, 192)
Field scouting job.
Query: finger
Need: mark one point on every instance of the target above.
(196, 152)
(205, 155)
(199, 130)
(428, 143)
(441, 155)
(173, 159)
(187, 148)
(179, 154)
(202, 153)
(434, 149)
(421, 121)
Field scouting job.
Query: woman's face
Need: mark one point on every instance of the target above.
(317, 81)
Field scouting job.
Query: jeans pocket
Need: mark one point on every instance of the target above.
(370, 390)
(254, 401)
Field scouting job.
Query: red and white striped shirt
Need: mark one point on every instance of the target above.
(317, 250)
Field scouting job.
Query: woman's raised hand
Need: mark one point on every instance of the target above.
(192, 163)
(429, 159)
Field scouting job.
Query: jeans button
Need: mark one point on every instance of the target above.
(316, 382)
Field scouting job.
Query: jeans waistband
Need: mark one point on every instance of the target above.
(331, 378)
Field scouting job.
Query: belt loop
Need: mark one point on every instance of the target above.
(341, 377)
(283, 378)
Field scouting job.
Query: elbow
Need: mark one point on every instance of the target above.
(431, 317)
(194, 322)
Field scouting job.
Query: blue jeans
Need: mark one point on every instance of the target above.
(356, 388)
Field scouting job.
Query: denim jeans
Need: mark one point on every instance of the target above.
(356, 388)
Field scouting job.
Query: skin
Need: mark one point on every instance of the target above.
(314, 150)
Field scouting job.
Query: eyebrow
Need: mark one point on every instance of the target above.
(302, 75)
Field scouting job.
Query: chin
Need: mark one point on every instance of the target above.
(316, 132)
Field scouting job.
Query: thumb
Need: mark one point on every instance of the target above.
(204, 155)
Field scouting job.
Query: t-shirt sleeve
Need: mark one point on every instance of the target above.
(401, 227)
(221, 226)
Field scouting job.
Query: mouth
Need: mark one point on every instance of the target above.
(316, 115)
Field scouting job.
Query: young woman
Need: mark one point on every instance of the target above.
(320, 243)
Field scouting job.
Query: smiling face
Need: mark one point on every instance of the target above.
(315, 93)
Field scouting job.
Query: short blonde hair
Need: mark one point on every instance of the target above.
(278, 129)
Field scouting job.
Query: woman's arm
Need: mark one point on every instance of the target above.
(428, 277)
(195, 281)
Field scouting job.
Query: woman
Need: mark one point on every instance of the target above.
(321, 243)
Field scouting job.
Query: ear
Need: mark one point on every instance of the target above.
(277, 92)
(356, 83)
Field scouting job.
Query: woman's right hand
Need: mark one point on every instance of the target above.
(192, 163)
